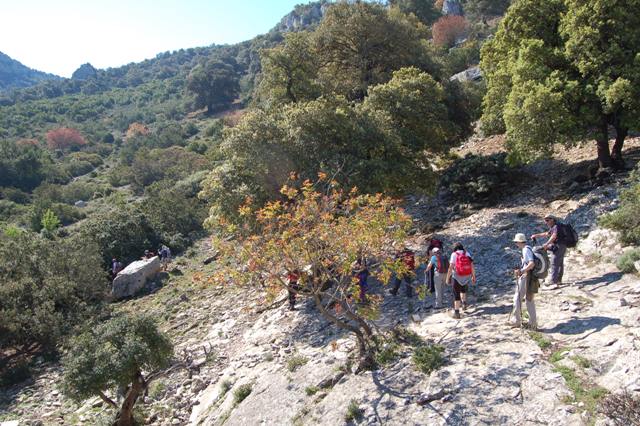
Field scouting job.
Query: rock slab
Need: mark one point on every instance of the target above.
(132, 278)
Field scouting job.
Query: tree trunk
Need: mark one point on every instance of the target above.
(362, 323)
(604, 155)
(125, 416)
(362, 342)
(616, 151)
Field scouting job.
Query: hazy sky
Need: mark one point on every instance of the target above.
(57, 36)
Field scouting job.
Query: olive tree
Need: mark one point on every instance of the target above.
(562, 71)
(121, 353)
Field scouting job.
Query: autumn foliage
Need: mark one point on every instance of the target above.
(64, 138)
(448, 29)
(137, 129)
(319, 230)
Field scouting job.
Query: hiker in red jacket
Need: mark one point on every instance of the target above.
(292, 283)
(408, 257)
(461, 273)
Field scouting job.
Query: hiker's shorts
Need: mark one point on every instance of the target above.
(458, 289)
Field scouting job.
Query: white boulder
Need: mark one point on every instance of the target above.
(132, 278)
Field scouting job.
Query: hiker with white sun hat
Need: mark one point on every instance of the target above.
(526, 284)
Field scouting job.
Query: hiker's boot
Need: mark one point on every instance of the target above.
(455, 314)
(464, 306)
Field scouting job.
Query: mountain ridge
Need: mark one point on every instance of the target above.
(14, 74)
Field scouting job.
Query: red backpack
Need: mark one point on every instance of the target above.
(463, 264)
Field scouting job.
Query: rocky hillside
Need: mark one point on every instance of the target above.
(14, 75)
(282, 367)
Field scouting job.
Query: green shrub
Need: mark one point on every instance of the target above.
(296, 362)
(15, 195)
(478, 178)
(354, 412)
(15, 374)
(77, 168)
(48, 288)
(540, 339)
(225, 386)
(94, 159)
(124, 233)
(428, 358)
(626, 261)
(311, 390)
(242, 393)
(387, 354)
(120, 176)
(626, 219)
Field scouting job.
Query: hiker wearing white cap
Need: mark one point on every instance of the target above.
(526, 284)
(437, 263)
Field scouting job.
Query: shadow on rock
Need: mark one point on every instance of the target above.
(581, 325)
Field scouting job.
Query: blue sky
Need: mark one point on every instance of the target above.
(57, 36)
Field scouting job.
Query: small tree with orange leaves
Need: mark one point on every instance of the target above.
(448, 29)
(320, 230)
(64, 138)
(137, 129)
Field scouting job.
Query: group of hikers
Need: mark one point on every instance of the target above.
(458, 271)
(163, 252)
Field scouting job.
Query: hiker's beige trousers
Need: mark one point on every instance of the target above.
(520, 293)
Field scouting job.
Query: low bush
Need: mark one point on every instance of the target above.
(242, 393)
(428, 358)
(15, 195)
(296, 362)
(478, 178)
(626, 219)
(77, 167)
(354, 412)
(626, 261)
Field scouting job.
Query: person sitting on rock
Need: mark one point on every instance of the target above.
(556, 248)
(438, 265)
(408, 257)
(526, 284)
(461, 273)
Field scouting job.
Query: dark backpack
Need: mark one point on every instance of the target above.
(567, 235)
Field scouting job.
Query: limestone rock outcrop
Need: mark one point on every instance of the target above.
(132, 278)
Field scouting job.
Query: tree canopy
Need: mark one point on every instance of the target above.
(48, 288)
(562, 70)
(318, 231)
(215, 83)
(114, 355)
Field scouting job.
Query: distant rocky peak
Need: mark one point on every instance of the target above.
(85, 72)
(452, 7)
(303, 16)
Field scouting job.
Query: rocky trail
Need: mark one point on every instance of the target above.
(281, 367)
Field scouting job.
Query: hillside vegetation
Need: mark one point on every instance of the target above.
(289, 153)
